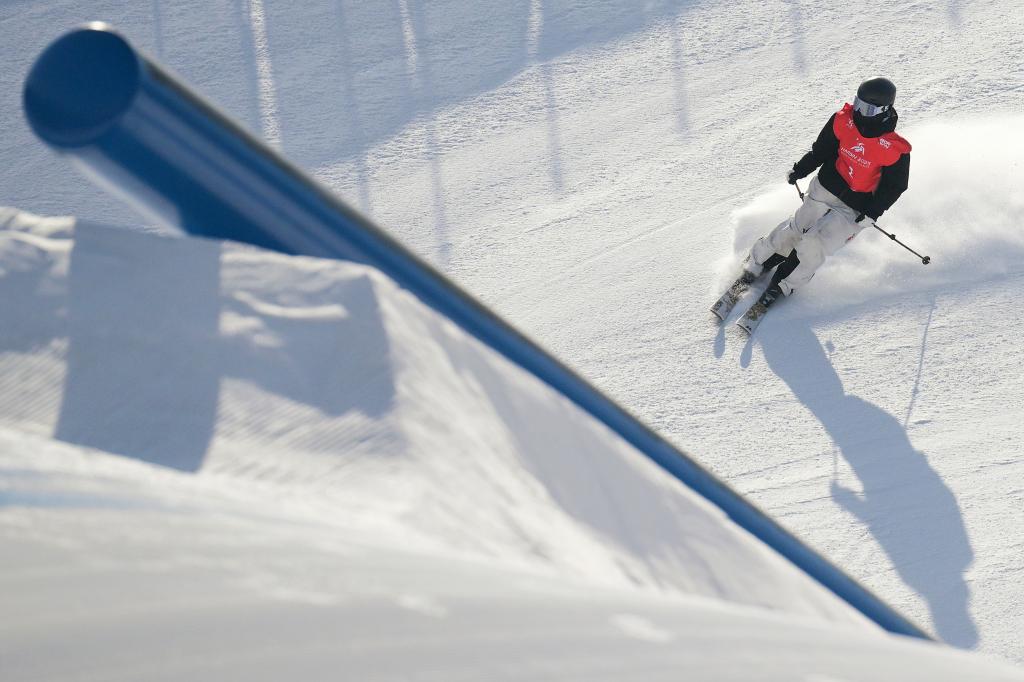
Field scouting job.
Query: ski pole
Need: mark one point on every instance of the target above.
(924, 259)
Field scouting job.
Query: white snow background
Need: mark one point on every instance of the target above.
(591, 170)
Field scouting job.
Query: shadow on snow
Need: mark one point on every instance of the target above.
(146, 355)
(910, 511)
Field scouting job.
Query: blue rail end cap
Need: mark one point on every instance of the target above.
(81, 85)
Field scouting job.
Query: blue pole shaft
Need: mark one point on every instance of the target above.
(143, 134)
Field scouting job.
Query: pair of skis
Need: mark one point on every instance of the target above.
(752, 317)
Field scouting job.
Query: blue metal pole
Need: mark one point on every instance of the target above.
(142, 134)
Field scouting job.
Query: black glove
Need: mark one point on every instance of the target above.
(791, 176)
(859, 218)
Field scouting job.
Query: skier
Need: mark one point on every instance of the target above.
(865, 167)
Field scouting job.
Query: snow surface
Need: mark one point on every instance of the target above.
(592, 170)
(276, 466)
(188, 582)
(325, 381)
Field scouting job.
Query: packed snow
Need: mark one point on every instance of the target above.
(252, 440)
(594, 172)
(324, 381)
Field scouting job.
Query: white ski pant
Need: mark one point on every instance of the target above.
(817, 230)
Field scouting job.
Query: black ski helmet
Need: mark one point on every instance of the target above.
(880, 93)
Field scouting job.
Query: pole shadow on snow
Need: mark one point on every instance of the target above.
(247, 47)
(349, 94)
(796, 21)
(920, 362)
(535, 34)
(158, 30)
(910, 511)
(146, 355)
(555, 153)
(370, 84)
(679, 89)
(424, 85)
(341, 92)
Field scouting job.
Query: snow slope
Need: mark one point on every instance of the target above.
(160, 578)
(278, 466)
(578, 166)
(326, 382)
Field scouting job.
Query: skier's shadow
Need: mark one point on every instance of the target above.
(719, 342)
(905, 504)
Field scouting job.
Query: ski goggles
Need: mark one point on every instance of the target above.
(868, 109)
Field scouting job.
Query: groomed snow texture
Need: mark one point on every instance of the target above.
(199, 433)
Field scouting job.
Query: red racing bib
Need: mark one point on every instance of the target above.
(861, 159)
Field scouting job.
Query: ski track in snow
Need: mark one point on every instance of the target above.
(594, 172)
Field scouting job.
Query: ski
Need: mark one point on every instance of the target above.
(727, 301)
(750, 319)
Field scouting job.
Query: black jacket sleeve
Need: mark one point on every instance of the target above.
(824, 148)
(895, 180)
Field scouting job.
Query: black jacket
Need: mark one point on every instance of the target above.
(825, 151)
